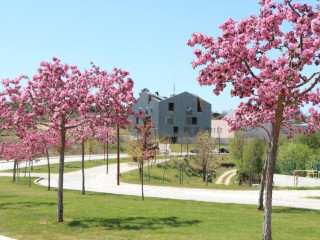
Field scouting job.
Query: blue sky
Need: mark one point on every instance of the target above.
(146, 38)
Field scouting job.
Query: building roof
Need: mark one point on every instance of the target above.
(230, 114)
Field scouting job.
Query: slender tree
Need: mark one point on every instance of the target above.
(266, 63)
(204, 145)
(145, 143)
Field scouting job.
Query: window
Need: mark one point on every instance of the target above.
(171, 106)
(149, 99)
(170, 120)
(186, 130)
(199, 105)
(214, 131)
(175, 130)
(188, 111)
(194, 121)
(137, 120)
(147, 110)
(189, 120)
(151, 109)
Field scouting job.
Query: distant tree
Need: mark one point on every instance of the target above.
(312, 140)
(204, 145)
(291, 154)
(254, 153)
(145, 143)
(165, 142)
(236, 147)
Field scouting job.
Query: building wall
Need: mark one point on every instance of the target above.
(181, 103)
(150, 105)
(220, 131)
(175, 127)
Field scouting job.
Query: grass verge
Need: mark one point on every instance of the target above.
(30, 213)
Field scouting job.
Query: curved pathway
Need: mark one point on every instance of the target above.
(98, 181)
(229, 173)
(227, 182)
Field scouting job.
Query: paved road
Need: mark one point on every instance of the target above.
(97, 180)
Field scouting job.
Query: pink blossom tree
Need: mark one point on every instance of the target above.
(82, 134)
(62, 98)
(105, 135)
(267, 59)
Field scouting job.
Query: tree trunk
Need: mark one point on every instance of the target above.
(107, 157)
(142, 194)
(48, 160)
(29, 175)
(263, 178)
(14, 171)
(90, 151)
(104, 151)
(82, 168)
(25, 169)
(204, 170)
(61, 170)
(17, 173)
(270, 169)
(149, 170)
(164, 171)
(188, 149)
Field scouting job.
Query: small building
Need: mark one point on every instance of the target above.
(180, 116)
(221, 130)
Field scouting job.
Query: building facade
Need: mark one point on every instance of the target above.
(180, 117)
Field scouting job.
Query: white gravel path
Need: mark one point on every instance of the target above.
(98, 181)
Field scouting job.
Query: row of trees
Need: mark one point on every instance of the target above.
(61, 105)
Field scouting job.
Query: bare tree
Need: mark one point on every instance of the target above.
(204, 145)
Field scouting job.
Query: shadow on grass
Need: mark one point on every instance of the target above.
(133, 223)
(19, 205)
(288, 210)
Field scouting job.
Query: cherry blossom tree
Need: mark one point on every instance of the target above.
(62, 98)
(105, 135)
(268, 59)
(82, 134)
(16, 151)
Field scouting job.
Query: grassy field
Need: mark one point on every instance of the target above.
(30, 213)
(172, 174)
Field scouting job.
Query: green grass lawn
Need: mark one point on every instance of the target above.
(172, 175)
(172, 179)
(30, 213)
